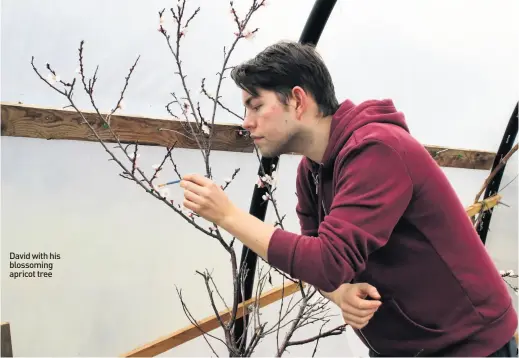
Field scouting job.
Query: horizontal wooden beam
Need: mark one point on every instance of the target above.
(65, 124)
(20, 120)
(208, 324)
(461, 158)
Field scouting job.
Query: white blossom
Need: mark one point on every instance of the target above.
(228, 180)
(164, 192)
(271, 180)
(131, 155)
(266, 197)
(510, 272)
(274, 178)
(501, 272)
(205, 129)
(249, 35)
(53, 78)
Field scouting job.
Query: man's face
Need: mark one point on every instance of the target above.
(271, 124)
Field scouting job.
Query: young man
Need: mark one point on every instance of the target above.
(378, 216)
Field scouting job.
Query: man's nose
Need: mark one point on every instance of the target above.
(248, 123)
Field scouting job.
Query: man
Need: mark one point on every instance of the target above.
(378, 216)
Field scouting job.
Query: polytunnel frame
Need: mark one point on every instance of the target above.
(493, 187)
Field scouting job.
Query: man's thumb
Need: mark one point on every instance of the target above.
(368, 290)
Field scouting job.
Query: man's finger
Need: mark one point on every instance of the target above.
(368, 290)
(191, 206)
(193, 187)
(349, 309)
(356, 322)
(362, 304)
(193, 197)
(197, 179)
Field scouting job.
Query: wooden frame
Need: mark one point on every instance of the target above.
(20, 120)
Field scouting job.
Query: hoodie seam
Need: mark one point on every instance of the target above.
(338, 163)
(379, 141)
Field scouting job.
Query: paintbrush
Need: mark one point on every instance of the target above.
(169, 183)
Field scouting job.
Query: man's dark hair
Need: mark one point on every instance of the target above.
(284, 65)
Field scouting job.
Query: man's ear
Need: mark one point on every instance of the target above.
(300, 100)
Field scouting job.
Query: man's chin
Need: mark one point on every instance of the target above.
(268, 154)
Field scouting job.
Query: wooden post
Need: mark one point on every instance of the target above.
(7, 346)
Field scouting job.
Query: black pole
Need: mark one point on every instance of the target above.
(311, 33)
(493, 187)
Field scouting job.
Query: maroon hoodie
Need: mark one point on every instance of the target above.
(379, 209)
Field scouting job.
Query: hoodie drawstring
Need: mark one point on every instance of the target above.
(318, 190)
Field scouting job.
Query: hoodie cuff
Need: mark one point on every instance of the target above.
(281, 250)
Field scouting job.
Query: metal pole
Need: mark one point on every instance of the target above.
(311, 33)
(493, 187)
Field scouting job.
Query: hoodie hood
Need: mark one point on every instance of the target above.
(350, 117)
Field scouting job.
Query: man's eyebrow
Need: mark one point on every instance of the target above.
(249, 100)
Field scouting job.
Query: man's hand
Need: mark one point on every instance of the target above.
(207, 199)
(356, 310)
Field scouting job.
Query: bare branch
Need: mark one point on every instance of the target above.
(332, 332)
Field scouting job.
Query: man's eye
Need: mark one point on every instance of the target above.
(256, 107)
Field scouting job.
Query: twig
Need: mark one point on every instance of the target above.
(498, 167)
(225, 327)
(229, 181)
(204, 91)
(332, 332)
(194, 323)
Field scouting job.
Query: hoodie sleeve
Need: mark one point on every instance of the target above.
(372, 192)
(306, 205)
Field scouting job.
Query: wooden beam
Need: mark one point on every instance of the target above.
(7, 345)
(461, 158)
(20, 120)
(208, 324)
(65, 124)
(485, 204)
